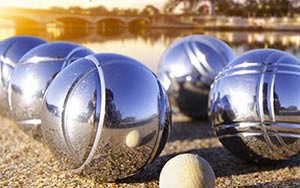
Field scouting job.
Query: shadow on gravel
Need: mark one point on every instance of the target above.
(221, 160)
(191, 130)
(287, 183)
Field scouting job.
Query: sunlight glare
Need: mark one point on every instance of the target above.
(241, 102)
(28, 90)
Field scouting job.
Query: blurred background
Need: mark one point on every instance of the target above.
(144, 29)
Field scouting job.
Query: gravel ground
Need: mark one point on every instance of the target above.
(26, 163)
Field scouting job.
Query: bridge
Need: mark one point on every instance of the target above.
(42, 19)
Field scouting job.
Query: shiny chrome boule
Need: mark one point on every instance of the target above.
(106, 114)
(187, 69)
(32, 76)
(11, 50)
(255, 106)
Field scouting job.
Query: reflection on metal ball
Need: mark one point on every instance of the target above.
(92, 106)
(187, 69)
(31, 78)
(255, 106)
(11, 50)
(133, 139)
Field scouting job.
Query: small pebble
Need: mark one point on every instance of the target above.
(187, 170)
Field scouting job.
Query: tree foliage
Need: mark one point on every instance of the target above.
(256, 8)
(247, 8)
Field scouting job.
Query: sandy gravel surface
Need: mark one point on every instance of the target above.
(26, 163)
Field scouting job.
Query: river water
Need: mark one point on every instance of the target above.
(147, 45)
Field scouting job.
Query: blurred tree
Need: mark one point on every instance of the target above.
(150, 10)
(58, 10)
(117, 12)
(223, 7)
(99, 10)
(250, 8)
(247, 8)
(131, 12)
(75, 10)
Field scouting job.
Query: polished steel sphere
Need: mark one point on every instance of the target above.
(106, 114)
(255, 106)
(32, 76)
(11, 50)
(187, 69)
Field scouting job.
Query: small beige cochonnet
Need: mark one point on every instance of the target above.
(187, 170)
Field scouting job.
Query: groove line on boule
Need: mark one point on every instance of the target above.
(101, 116)
(64, 115)
(260, 104)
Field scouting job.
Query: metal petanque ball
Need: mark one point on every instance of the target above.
(94, 108)
(31, 78)
(188, 68)
(11, 50)
(255, 106)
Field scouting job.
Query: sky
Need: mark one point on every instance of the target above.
(83, 3)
